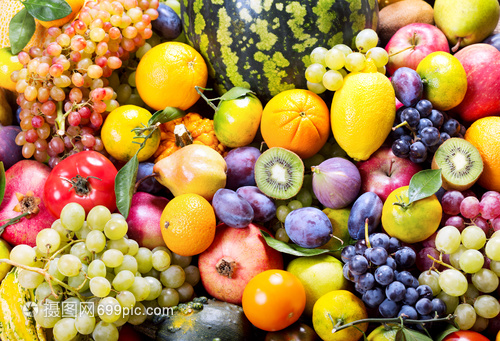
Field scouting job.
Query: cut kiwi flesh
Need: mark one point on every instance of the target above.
(460, 164)
(279, 173)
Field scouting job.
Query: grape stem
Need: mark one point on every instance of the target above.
(400, 319)
(61, 117)
(440, 261)
(367, 239)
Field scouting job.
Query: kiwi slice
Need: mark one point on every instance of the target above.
(460, 164)
(279, 173)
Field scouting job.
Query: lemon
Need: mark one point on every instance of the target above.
(339, 307)
(4, 253)
(8, 64)
(383, 333)
(444, 78)
(118, 137)
(362, 113)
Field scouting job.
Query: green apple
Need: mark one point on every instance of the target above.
(319, 275)
(466, 22)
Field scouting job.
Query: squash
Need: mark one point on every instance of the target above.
(198, 321)
(192, 128)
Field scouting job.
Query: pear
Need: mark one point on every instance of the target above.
(466, 22)
(195, 169)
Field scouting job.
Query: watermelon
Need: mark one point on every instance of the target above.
(264, 45)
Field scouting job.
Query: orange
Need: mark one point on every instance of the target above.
(188, 224)
(118, 137)
(297, 120)
(167, 75)
(76, 6)
(8, 8)
(484, 134)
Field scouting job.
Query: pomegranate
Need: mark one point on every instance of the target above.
(235, 256)
(25, 181)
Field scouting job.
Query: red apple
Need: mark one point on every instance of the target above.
(144, 219)
(383, 172)
(416, 41)
(482, 65)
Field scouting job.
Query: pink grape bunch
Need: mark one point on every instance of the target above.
(64, 88)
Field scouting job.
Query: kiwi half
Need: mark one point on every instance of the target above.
(279, 173)
(460, 164)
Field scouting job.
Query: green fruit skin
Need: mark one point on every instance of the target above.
(236, 121)
(382, 334)
(319, 275)
(265, 45)
(338, 218)
(472, 20)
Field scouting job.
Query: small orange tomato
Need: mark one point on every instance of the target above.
(273, 300)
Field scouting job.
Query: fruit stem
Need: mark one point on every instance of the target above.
(80, 184)
(12, 221)
(367, 239)
(60, 120)
(401, 320)
(401, 203)
(457, 45)
(209, 101)
(412, 46)
(440, 261)
(138, 183)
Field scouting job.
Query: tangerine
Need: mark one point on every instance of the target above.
(167, 75)
(484, 134)
(298, 120)
(188, 224)
(76, 6)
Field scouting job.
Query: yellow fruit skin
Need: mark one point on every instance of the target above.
(76, 6)
(415, 223)
(8, 64)
(341, 306)
(13, 324)
(338, 218)
(194, 169)
(362, 114)
(383, 334)
(445, 80)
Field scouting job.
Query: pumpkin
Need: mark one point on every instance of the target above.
(207, 321)
(265, 45)
(192, 128)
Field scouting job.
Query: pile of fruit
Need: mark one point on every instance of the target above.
(220, 170)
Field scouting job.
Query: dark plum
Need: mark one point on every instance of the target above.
(168, 25)
(10, 152)
(240, 167)
(367, 206)
(308, 227)
(231, 208)
(264, 208)
(407, 85)
(493, 40)
(150, 185)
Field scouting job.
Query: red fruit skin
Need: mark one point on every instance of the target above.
(482, 66)
(427, 39)
(383, 172)
(465, 335)
(144, 219)
(24, 176)
(248, 249)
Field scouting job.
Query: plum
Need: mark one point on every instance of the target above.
(367, 206)
(168, 25)
(231, 208)
(308, 227)
(264, 208)
(10, 152)
(240, 167)
(150, 185)
(407, 85)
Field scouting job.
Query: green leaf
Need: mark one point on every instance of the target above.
(124, 185)
(21, 28)
(166, 115)
(291, 249)
(235, 93)
(399, 335)
(2, 181)
(424, 184)
(413, 335)
(47, 10)
(450, 328)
